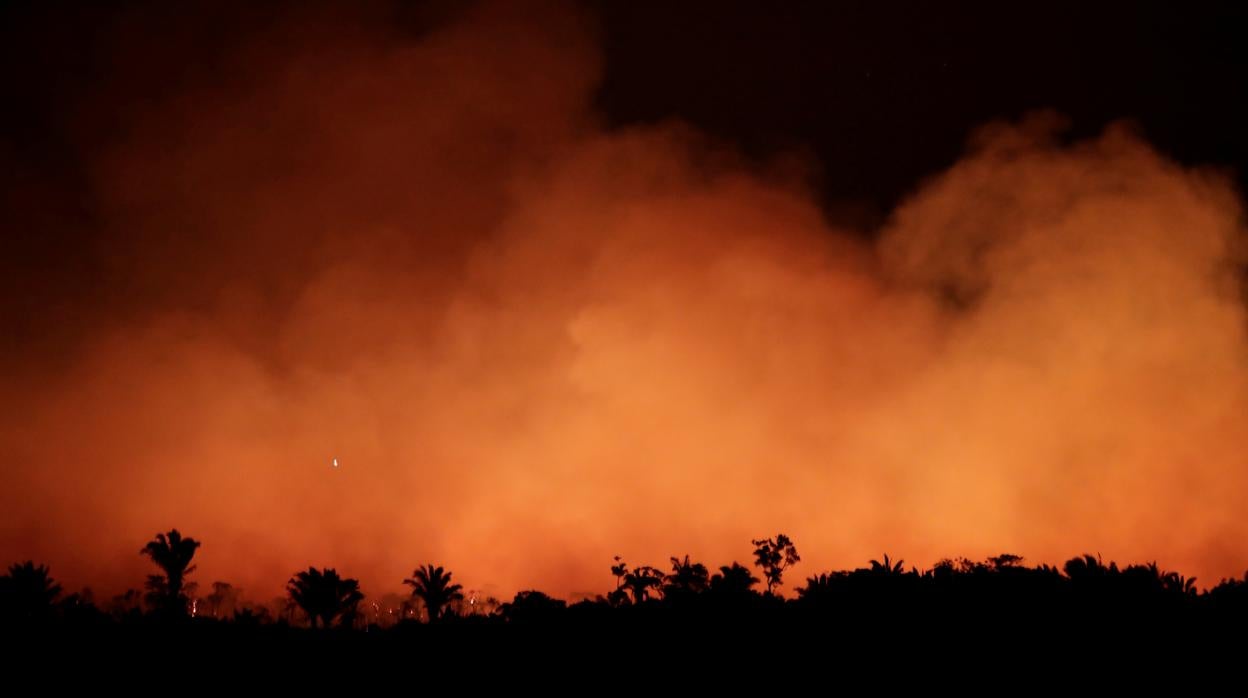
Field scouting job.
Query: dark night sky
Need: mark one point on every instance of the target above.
(882, 94)
(885, 93)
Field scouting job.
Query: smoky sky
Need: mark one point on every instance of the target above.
(547, 303)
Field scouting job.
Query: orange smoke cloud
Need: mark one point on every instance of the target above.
(534, 343)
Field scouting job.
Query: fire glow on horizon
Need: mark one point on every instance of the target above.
(541, 343)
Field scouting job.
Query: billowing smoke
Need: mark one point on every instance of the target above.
(533, 343)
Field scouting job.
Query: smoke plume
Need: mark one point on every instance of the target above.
(533, 342)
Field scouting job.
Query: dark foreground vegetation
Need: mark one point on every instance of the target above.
(1085, 598)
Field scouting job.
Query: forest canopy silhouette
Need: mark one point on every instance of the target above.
(1041, 599)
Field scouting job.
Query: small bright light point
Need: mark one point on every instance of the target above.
(335, 462)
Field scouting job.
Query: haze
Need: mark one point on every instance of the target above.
(532, 342)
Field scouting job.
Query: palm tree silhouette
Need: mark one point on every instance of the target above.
(1176, 583)
(324, 595)
(686, 578)
(888, 567)
(28, 592)
(433, 586)
(1088, 567)
(821, 586)
(640, 581)
(172, 554)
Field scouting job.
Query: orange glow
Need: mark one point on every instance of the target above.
(535, 343)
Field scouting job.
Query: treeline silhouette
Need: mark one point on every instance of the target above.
(996, 593)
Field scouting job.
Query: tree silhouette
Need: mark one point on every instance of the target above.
(1140, 580)
(773, 556)
(888, 567)
(1088, 567)
(1230, 594)
(28, 593)
(734, 579)
(619, 595)
(1005, 561)
(477, 603)
(686, 579)
(533, 607)
(172, 554)
(127, 604)
(251, 617)
(619, 569)
(817, 586)
(641, 581)
(433, 586)
(996, 594)
(223, 600)
(1088, 575)
(1176, 583)
(324, 595)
